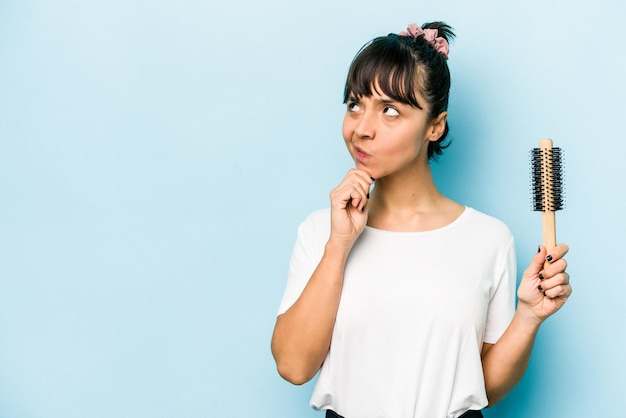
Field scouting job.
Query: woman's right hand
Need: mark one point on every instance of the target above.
(348, 214)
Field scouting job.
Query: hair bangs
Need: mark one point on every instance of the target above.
(386, 67)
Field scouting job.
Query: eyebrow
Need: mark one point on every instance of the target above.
(354, 97)
(390, 101)
(399, 102)
(386, 100)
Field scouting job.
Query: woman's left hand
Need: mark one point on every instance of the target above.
(545, 284)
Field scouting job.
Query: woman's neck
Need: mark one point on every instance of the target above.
(410, 201)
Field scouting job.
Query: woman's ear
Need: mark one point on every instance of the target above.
(437, 127)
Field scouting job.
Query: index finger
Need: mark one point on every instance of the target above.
(557, 252)
(364, 175)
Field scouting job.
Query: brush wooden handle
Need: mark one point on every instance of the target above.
(549, 230)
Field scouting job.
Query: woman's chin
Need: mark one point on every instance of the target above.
(370, 172)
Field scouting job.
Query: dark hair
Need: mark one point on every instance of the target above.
(402, 65)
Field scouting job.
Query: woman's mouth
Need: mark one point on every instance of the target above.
(360, 155)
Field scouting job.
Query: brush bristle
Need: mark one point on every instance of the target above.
(547, 179)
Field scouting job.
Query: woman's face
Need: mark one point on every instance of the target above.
(385, 136)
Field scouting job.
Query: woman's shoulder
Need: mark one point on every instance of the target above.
(317, 222)
(487, 224)
(317, 216)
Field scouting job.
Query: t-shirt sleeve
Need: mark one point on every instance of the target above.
(306, 255)
(502, 304)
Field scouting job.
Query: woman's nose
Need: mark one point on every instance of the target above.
(366, 126)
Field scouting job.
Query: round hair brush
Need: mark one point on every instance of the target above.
(547, 187)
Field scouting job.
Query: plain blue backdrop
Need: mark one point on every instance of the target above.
(156, 158)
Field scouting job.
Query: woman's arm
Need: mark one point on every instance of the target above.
(302, 334)
(542, 292)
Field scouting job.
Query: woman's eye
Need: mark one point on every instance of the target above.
(353, 107)
(390, 111)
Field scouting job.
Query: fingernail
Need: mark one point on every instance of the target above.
(540, 276)
(368, 195)
(373, 179)
(549, 257)
(540, 288)
(363, 209)
(539, 248)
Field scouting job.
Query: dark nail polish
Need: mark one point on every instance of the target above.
(549, 257)
(368, 195)
(539, 248)
(363, 209)
(373, 179)
(540, 288)
(540, 276)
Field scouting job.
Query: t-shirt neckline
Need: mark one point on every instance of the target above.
(451, 225)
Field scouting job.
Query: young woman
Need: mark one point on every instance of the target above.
(401, 298)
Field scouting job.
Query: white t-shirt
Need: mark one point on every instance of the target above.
(414, 312)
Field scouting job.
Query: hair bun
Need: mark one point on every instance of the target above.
(431, 36)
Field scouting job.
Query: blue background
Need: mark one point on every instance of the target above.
(156, 158)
